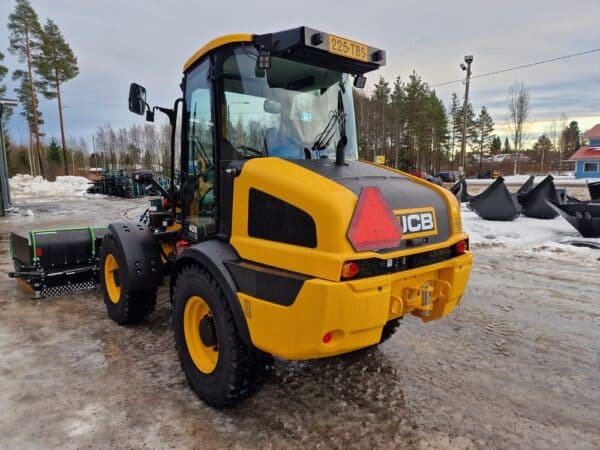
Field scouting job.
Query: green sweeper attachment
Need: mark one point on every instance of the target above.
(53, 262)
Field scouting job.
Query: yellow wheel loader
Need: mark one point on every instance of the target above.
(276, 240)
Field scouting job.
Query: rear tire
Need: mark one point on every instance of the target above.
(389, 329)
(203, 322)
(123, 307)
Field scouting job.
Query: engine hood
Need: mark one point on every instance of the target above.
(422, 211)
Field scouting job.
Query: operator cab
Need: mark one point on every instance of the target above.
(285, 95)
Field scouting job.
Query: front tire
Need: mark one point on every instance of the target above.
(221, 369)
(123, 307)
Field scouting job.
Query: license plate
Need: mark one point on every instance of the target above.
(348, 48)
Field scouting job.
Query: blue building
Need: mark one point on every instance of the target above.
(587, 158)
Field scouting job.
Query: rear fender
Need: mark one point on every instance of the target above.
(212, 255)
(141, 253)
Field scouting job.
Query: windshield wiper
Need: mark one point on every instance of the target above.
(324, 137)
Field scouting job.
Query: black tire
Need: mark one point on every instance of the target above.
(240, 369)
(389, 329)
(131, 307)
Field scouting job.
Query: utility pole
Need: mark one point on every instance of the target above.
(463, 144)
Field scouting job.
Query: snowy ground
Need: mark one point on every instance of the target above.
(526, 234)
(514, 366)
(29, 189)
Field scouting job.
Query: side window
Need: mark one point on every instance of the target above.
(198, 189)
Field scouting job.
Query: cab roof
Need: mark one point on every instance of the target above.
(307, 45)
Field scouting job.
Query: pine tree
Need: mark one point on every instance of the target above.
(53, 152)
(484, 129)
(455, 124)
(7, 111)
(24, 41)
(541, 148)
(23, 91)
(507, 148)
(55, 64)
(381, 99)
(470, 130)
(496, 146)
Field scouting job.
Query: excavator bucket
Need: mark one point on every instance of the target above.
(495, 203)
(534, 202)
(460, 190)
(527, 186)
(584, 217)
(594, 189)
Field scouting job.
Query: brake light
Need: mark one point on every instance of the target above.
(460, 247)
(373, 225)
(349, 270)
(166, 203)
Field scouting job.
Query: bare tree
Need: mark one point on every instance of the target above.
(518, 111)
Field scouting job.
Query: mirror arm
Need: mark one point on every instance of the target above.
(172, 115)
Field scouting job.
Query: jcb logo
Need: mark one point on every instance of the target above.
(418, 222)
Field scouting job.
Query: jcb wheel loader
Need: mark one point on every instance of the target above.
(275, 238)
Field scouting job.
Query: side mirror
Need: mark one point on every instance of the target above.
(272, 106)
(137, 99)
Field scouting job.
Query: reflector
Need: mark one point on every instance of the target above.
(349, 270)
(374, 225)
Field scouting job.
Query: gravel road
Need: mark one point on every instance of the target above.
(517, 365)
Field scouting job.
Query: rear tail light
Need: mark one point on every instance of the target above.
(373, 225)
(350, 270)
(461, 247)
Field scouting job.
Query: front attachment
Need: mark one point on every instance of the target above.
(53, 262)
(459, 189)
(594, 189)
(584, 217)
(534, 202)
(495, 203)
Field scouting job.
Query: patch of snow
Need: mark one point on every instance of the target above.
(32, 189)
(525, 234)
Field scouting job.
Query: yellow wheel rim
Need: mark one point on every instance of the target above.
(203, 349)
(111, 278)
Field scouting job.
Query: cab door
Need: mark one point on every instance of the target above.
(198, 155)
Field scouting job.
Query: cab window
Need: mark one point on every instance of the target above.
(199, 175)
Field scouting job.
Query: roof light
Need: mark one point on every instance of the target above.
(373, 225)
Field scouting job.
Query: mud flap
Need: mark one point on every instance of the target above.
(534, 202)
(459, 189)
(584, 217)
(495, 203)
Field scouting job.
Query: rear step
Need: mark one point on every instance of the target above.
(54, 262)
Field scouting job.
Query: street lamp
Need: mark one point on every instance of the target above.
(4, 187)
(463, 144)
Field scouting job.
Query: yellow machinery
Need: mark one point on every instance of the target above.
(276, 240)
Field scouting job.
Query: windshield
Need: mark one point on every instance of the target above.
(291, 110)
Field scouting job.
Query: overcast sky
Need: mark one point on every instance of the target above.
(119, 41)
